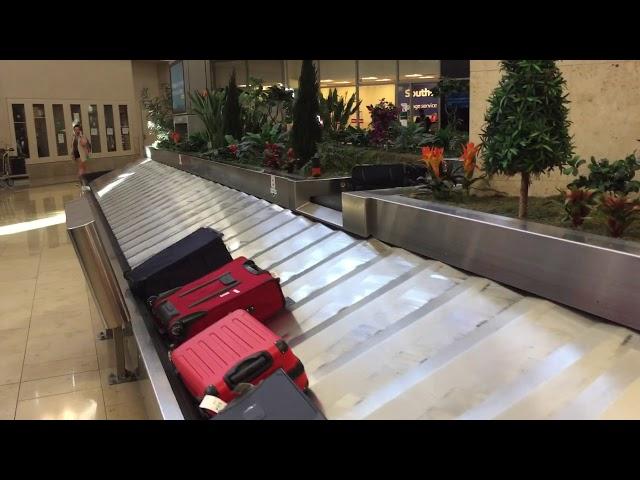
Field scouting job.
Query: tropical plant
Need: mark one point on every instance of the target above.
(306, 131)
(335, 112)
(384, 121)
(280, 104)
(356, 136)
(526, 127)
(605, 176)
(620, 212)
(441, 180)
(159, 112)
(448, 138)
(255, 105)
(196, 142)
(263, 145)
(208, 107)
(449, 87)
(578, 203)
(410, 137)
(231, 112)
(469, 166)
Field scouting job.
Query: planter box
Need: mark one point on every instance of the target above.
(277, 188)
(595, 274)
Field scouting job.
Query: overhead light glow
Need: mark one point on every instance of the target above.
(428, 76)
(413, 75)
(369, 78)
(56, 219)
(326, 80)
(383, 80)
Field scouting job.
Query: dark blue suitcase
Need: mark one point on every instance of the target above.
(275, 398)
(183, 262)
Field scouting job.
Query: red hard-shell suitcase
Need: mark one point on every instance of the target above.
(236, 349)
(240, 284)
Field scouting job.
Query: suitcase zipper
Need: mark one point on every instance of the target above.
(215, 294)
(213, 280)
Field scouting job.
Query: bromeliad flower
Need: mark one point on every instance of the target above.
(468, 158)
(175, 136)
(433, 157)
(233, 149)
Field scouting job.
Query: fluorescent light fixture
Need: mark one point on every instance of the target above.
(242, 86)
(428, 76)
(383, 80)
(413, 75)
(56, 219)
(326, 80)
(343, 81)
(369, 78)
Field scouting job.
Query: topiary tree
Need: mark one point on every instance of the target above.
(526, 128)
(306, 130)
(231, 114)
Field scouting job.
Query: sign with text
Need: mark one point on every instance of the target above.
(421, 95)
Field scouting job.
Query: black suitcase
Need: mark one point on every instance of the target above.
(372, 177)
(183, 262)
(275, 398)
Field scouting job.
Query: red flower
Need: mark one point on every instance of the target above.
(175, 136)
(233, 149)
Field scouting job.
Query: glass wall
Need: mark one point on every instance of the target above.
(406, 83)
(111, 134)
(269, 71)
(124, 127)
(222, 72)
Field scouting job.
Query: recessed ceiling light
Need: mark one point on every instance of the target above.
(428, 76)
(369, 78)
(383, 80)
(327, 80)
(343, 81)
(413, 75)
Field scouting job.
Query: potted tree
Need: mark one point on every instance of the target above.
(306, 131)
(527, 130)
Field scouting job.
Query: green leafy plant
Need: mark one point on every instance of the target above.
(196, 142)
(280, 104)
(526, 127)
(448, 87)
(306, 131)
(272, 138)
(208, 107)
(255, 105)
(356, 136)
(448, 138)
(335, 112)
(231, 112)
(620, 212)
(411, 137)
(605, 176)
(159, 112)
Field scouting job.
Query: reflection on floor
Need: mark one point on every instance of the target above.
(51, 365)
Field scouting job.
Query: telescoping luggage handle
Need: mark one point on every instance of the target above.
(248, 369)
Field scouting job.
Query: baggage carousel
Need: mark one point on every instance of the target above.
(383, 333)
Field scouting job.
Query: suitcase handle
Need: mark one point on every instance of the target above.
(248, 369)
(226, 279)
(251, 267)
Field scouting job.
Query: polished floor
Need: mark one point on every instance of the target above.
(51, 365)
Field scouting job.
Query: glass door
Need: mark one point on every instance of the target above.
(111, 133)
(40, 122)
(76, 115)
(61, 135)
(20, 129)
(124, 127)
(94, 131)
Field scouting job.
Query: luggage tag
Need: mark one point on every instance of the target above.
(214, 404)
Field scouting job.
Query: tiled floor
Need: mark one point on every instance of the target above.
(51, 365)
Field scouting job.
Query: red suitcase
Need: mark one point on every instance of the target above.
(240, 284)
(236, 349)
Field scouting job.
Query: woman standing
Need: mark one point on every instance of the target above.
(81, 149)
